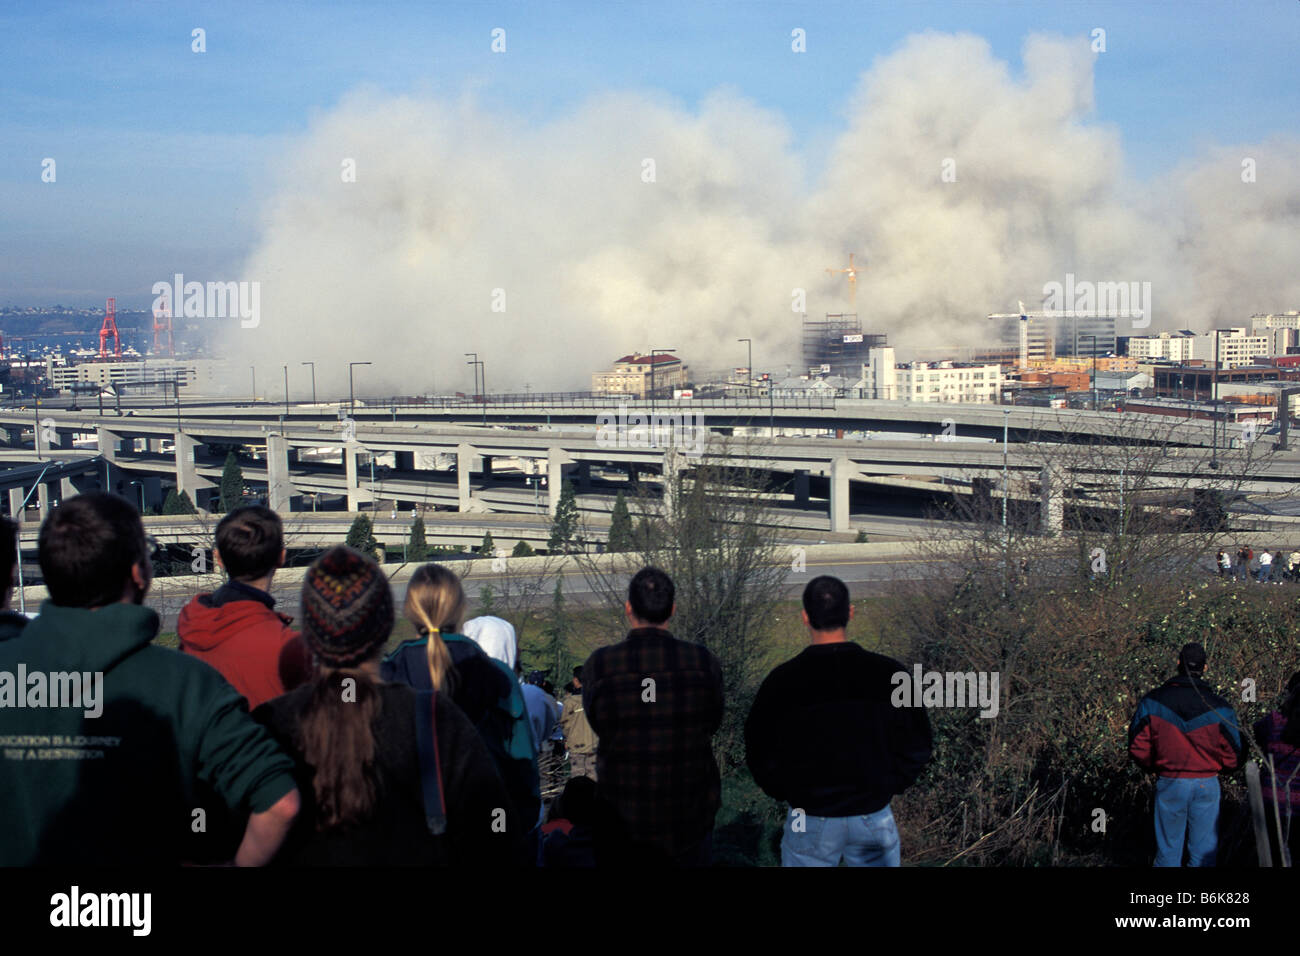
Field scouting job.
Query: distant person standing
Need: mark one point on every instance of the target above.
(655, 702)
(1187, 735)
(1244, 556)
(1225, 564)
(1265, 567)
(824, 736)
(578, 735)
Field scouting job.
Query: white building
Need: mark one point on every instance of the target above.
(1235, 347)
(195, 376)
(1166, 346)
(1274, 320)
(949, 382)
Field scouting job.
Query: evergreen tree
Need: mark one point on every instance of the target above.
(565, 523)
(522, 550)
(418, 549)
(362, 535)
(556, 633)
(232, 483)
(487, 601)
(489, 547)
(861, 538)
(620, 526)
(178, 504)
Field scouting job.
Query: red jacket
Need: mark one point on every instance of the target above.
(246, 640)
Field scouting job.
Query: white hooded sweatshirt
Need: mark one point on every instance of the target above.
(496, 637)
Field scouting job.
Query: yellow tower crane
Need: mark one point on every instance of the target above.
(852, 272)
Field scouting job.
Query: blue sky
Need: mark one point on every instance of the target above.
(165, 155)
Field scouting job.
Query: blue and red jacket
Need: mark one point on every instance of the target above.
(1184, 729)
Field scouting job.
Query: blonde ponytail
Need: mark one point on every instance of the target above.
(435, 601)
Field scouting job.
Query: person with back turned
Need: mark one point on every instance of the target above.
(824, 736)
(1188, 735)
(113, 775)
(655, 703)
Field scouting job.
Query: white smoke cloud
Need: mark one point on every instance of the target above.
(452, 202)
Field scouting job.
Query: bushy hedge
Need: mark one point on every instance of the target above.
(1030, 785)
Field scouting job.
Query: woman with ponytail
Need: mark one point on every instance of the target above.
(485, 689)
(356, 743)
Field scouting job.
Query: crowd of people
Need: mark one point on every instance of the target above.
(258, 743)
(1267, 567)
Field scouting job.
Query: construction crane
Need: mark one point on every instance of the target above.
(110, 328)
(159, 327)
(1024, 317)
(852, 272)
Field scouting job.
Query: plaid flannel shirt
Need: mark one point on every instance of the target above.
(654, 760)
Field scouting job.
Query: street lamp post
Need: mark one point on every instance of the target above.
(313, 381)
(1093, 383)
(352, 399)
(253, 369)
(1006, 490)
(483, 369)
(480, 394)
(286, 392)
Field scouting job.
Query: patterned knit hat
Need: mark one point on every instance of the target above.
(347, 607)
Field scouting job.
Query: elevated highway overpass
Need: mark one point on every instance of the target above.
(449, 464)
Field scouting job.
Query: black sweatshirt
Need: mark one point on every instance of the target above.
(823, 735)
(396, 833)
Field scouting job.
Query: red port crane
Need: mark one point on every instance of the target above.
(162, 322)
(110, 328)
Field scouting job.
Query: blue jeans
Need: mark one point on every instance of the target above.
(866, 840)
(1187, 806)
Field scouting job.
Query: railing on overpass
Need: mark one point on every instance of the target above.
(595, 401)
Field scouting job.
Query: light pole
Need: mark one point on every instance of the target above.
(352, 399)
(1006, 419)
(313, 381)
(253, 369)
(480, 394)
(483, 368)
(286, 392)
(1093, 383)
(473, 360)
(653, 353)
(1006, 490)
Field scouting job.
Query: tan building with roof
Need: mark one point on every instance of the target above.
(632, 375)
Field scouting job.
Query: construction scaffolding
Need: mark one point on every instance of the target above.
(837, 344)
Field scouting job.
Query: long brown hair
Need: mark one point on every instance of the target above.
(338, 742)
(435, 602)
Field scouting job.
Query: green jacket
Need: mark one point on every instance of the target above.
(11, 624)
(131, 771)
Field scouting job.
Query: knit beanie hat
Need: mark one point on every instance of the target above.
(347, 607)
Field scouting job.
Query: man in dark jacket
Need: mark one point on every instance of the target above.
(103, 757)
(655, 703)
(1187, 734)
(824, 736)
(236, 628)
(11, 622)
